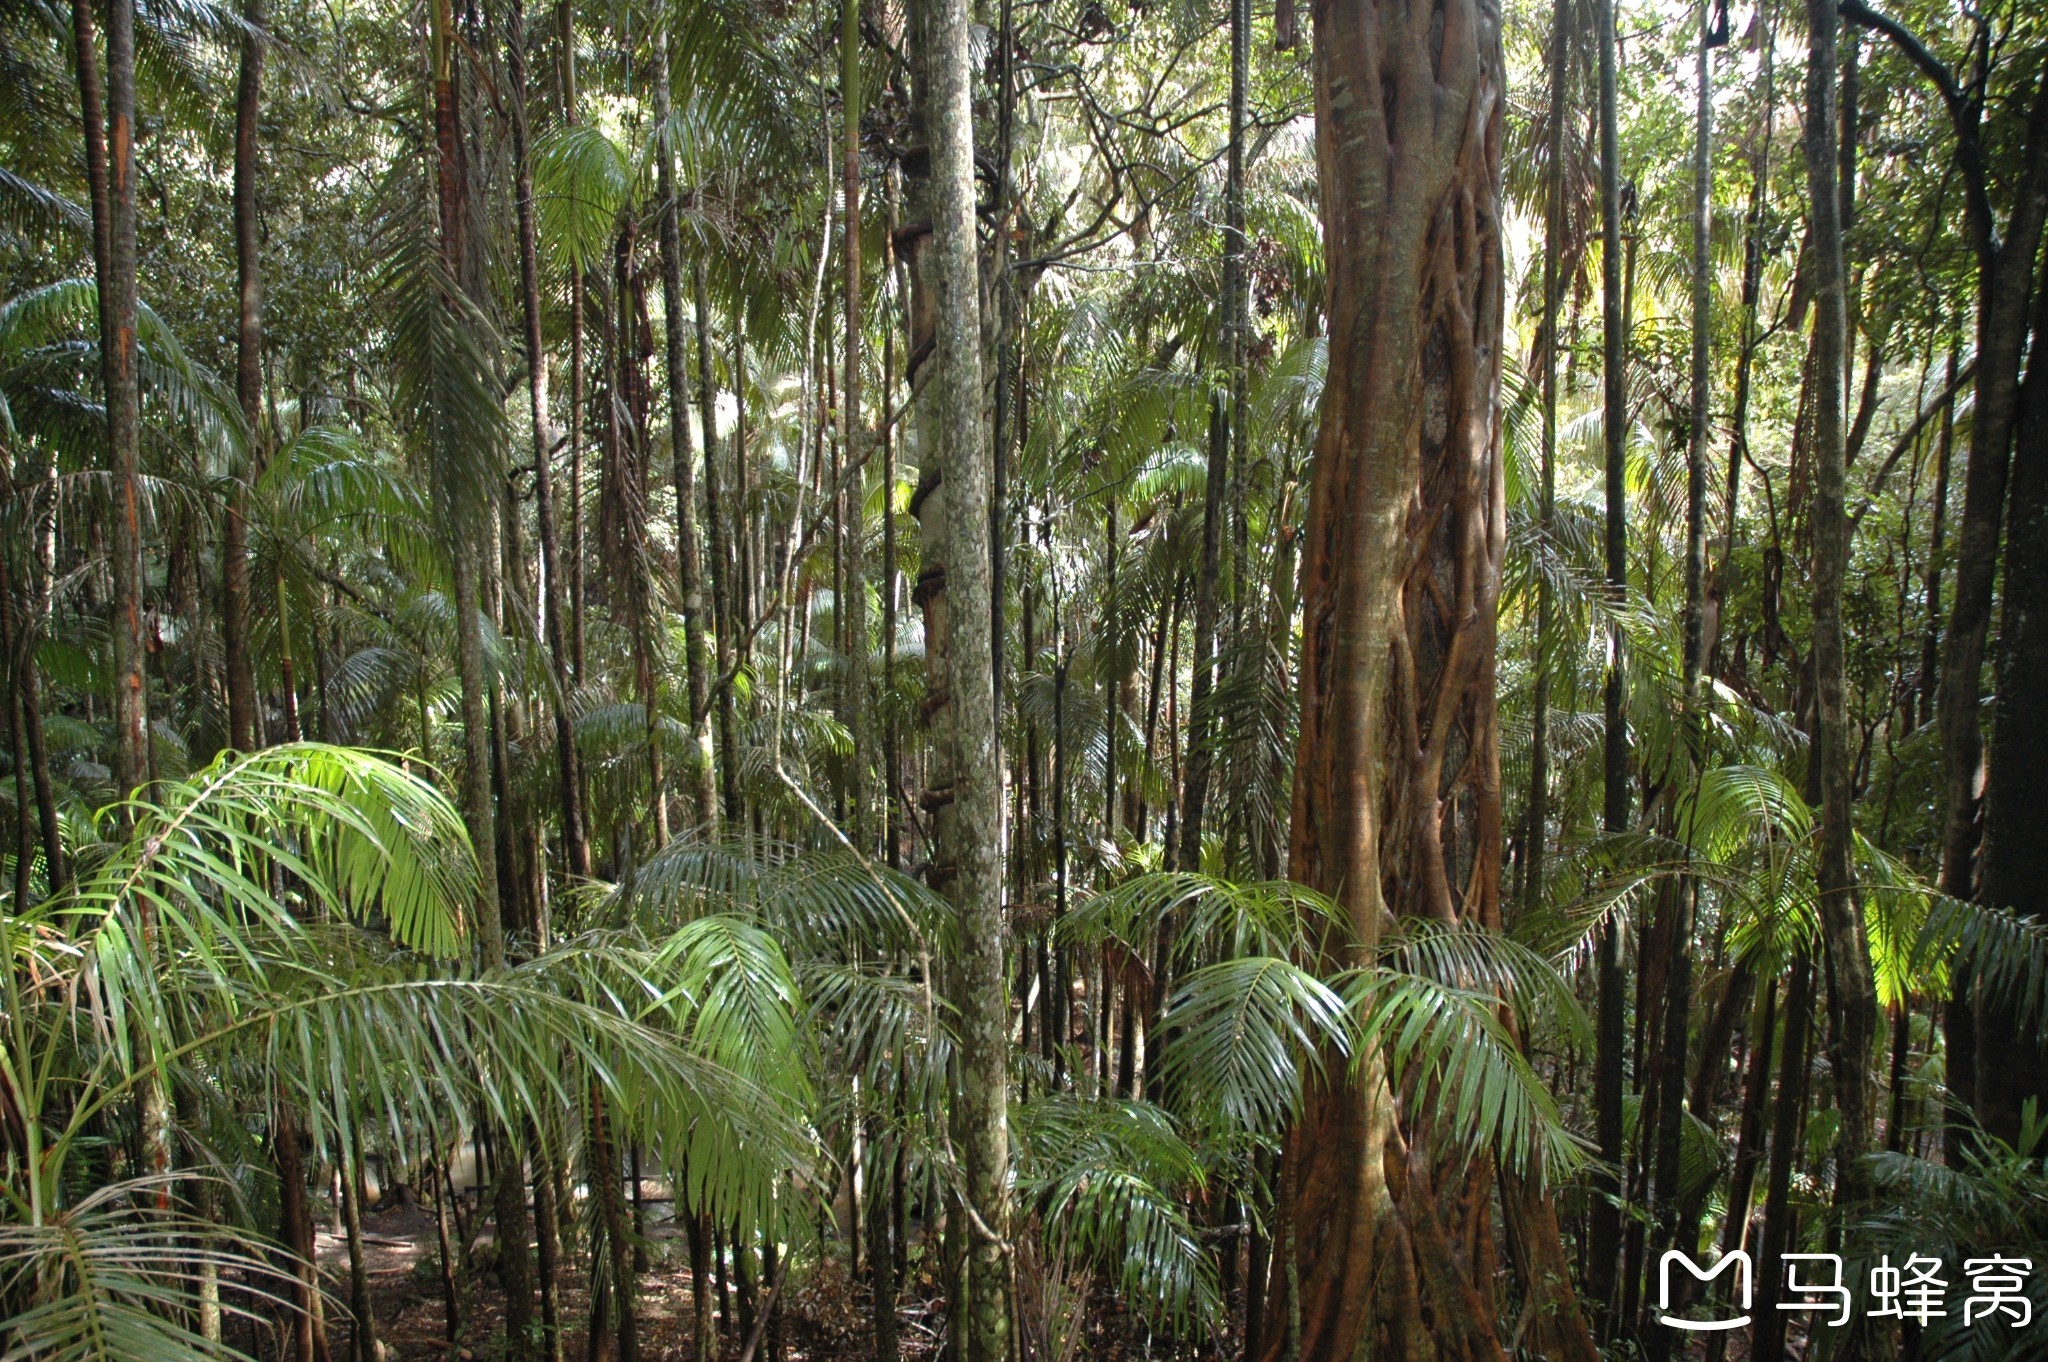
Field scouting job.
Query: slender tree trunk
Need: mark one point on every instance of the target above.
(850, 604)
(308, 1336)
(1553, 285)
(1745, 355)
(1780, 1214)
(362, 1306)
(33, 613)
(1678, 979)
(1851, 991)
(1216, 511)
(1749, 1141)
(1930, 646)
(1606, 1226)
(123, 397)
(234, 550)
(547, 1224)
(608, 1177)
(575, 840)
(689, 558)
(724, 600)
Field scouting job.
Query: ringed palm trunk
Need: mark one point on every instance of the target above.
(1397, 789)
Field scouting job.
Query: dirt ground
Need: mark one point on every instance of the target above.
(823, 1314)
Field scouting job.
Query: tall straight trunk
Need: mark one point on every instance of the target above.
(1382, 1250)
(892, 753)
(1749, 1141)
(725, 622)
(1678, 978)
(1851, 989)
(1216, 509)
(363, 1345)
(1930, 645)
(1745, 355)
(2012, 1062)
(617, 1225)
(1605, 1238)
(547, 1224)
(881, 1253)
(307, 1340)
(234, 549)
(578, 296)
(689, 557)
(2005, 282)
(1546, 606)
(469, 518)
(981, 1123)
(575, 841)
(850, 605)
(1780, 1214)
(117, 303)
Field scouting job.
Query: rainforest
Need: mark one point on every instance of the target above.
(1023, 680)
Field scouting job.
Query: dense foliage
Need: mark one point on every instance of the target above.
(955, 657)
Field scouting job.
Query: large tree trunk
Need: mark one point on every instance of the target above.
(1851, 990)
(1397, 794)
(2012, 1064)
(2005, 280)
(234, 549)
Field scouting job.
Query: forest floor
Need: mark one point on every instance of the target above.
(822, 1317)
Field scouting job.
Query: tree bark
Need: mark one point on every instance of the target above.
(689, 556)
(575, 839)
(234, 550)
(2012, 1062)
(1678, 979)
(1606, 1227)
(1851, 990)
(1397, 798)
(964, 496)
(117, 303)
(1216, 509)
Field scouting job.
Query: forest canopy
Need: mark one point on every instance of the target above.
(1023, 679)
